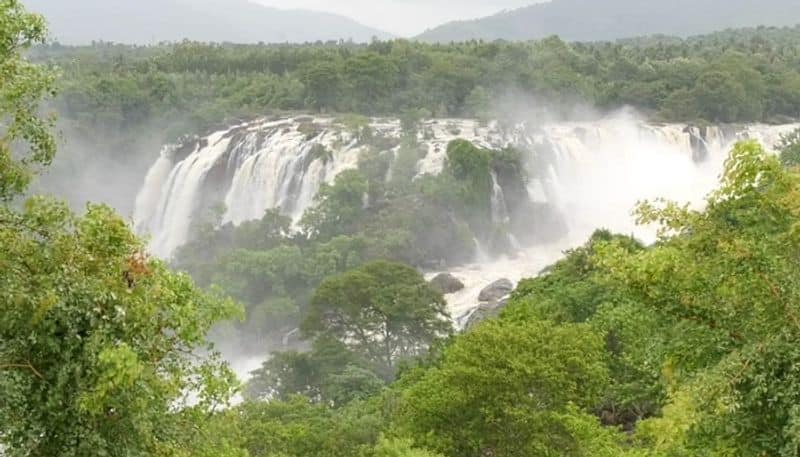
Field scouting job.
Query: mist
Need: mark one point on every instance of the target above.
(585, 170)
(99, 170)
(405, 18)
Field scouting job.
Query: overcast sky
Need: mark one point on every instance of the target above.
(404, 17)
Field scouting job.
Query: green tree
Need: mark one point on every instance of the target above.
(478, 104)
(789, 148)
(372, 77)
(385, 312)
(506, 389)
(22, 86)
(726, 280)
(471, 167)
(329, 373)
(569, 290)
(399, 448)
(465, 185)
(323, 82)
(299, 428)
(716, 92)
(98, 343)
(574, 291)
(339, 207)
(352, 384)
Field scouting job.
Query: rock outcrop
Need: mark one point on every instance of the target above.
(493, 299)
(496, 291)
(483, 312)
(445, 283)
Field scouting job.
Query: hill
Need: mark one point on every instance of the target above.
(151, 21)
(593, 20)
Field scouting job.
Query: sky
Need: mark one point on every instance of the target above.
(404, 17)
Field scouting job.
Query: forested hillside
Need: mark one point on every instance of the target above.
(591, 20)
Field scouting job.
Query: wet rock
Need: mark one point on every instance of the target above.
(187, 146)
(446, 283)
(496, 291)
(483, 312)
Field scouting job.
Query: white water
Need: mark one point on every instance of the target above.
(592, 172)
(596, 181)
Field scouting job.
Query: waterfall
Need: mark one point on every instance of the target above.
(592, 172)
(498, 203)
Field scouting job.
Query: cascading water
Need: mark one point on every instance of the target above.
(593, 173)
(264, 165)
(498, 203)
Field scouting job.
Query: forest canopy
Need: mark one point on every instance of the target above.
(734, 76)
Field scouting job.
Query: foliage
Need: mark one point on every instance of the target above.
(470, 167)
(503, 389)
(569, 290)
(338, 208)
(22, 86)
(330, 374)
(98, 343)
(399, 448)
(707, 313)
(789, 148)
(574, 291)
(298, 428)
(728, 280)
(384, 312)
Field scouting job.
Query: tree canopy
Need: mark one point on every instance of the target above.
(101, 347)
(98, 343)
(26, 143)
(385, 312)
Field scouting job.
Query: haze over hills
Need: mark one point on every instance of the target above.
(591, 20)
(150, 21)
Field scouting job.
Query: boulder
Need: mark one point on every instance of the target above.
(446, 283)
(484, 312)
(496, 291)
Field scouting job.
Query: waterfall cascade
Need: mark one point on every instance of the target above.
(593, 172)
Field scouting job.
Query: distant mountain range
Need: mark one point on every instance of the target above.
(151, 21)
(242, 21)
(595, 20)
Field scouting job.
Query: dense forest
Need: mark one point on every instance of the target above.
(736, 76)
(123, 102)
(685, 347)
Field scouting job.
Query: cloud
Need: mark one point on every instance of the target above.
(404, 17)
